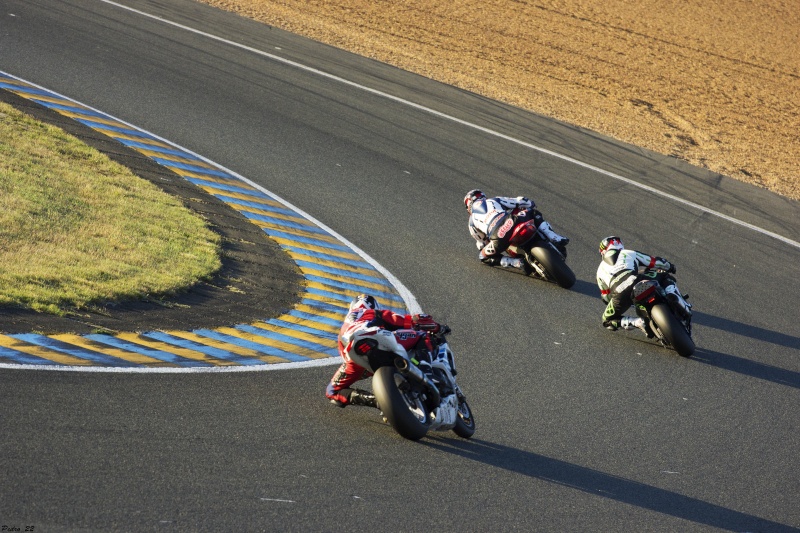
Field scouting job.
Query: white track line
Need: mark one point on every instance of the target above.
(488, 131)
(409, 298)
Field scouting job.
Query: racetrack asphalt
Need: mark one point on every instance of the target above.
(579, 429)
(279, 297)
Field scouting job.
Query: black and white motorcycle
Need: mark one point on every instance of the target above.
(670, 322)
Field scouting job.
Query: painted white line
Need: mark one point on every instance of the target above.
(327, 361)
(408, 297)
(445, 116)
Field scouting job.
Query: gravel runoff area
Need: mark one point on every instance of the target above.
(713, 82)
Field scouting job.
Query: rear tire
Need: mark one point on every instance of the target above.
(672, 329)
(465, 423)
(555, 265)
(403, 410)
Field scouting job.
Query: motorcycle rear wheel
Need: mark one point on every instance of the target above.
(672, 329)
(465, 423)
(403, 410)
(555, 265)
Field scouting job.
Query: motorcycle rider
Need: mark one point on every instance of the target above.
(365, 312)
(491, 221)
(619, 272)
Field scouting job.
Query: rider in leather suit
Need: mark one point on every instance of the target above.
(491, 221)
(619, 272)
(365, 312)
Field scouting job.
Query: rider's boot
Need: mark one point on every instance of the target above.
(559, 241)
(516, 262)
(635, 323)
(552, 236)
(675, 296)
(360, 397)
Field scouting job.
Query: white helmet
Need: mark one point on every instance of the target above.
(364, 301)
(471, 196)
(611, 243)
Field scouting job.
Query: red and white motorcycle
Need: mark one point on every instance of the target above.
(547, 261)
(415, 393)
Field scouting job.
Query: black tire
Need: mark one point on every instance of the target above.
(403, 411)
(555, 265)
(465, 424)
(672, 329)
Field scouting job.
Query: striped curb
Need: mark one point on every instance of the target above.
(334, 271)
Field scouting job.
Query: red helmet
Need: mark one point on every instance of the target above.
(471, 196)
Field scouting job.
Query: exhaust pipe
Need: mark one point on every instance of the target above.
(413, 372)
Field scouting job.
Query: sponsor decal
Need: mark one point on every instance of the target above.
(507, 225)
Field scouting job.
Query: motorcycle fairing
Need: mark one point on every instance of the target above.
(522, 233)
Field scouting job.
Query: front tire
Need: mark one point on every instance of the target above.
(672, 329)
(555, 265)
(400, 405)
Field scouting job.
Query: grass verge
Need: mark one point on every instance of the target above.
(79, 230)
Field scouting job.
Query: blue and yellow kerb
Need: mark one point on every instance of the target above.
(334, 273)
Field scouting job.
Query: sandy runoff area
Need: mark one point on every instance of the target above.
(712, 82)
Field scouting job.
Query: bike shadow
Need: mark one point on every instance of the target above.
(587, 289)
(604, 485)
(740, 365)
(746, 330)
(733, 363)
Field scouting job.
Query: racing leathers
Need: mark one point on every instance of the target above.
(340, 391)
(616, 276)
(491, 223)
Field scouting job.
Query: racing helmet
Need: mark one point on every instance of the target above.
(611, 243)
(471, 196)
(364, 301)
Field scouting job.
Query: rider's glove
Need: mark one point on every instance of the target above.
(668, 267)
(425, 323)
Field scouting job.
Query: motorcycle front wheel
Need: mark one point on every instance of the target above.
(555, 265)
(672, 329)
(465, 423)
(400, 403)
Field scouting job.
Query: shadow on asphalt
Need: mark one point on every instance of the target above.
(747, 367)
(746, 330)
(604, 485)
(587, 289)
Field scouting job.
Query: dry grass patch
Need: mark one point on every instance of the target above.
(77, 229)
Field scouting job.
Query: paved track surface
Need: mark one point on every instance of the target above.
(579, 429)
